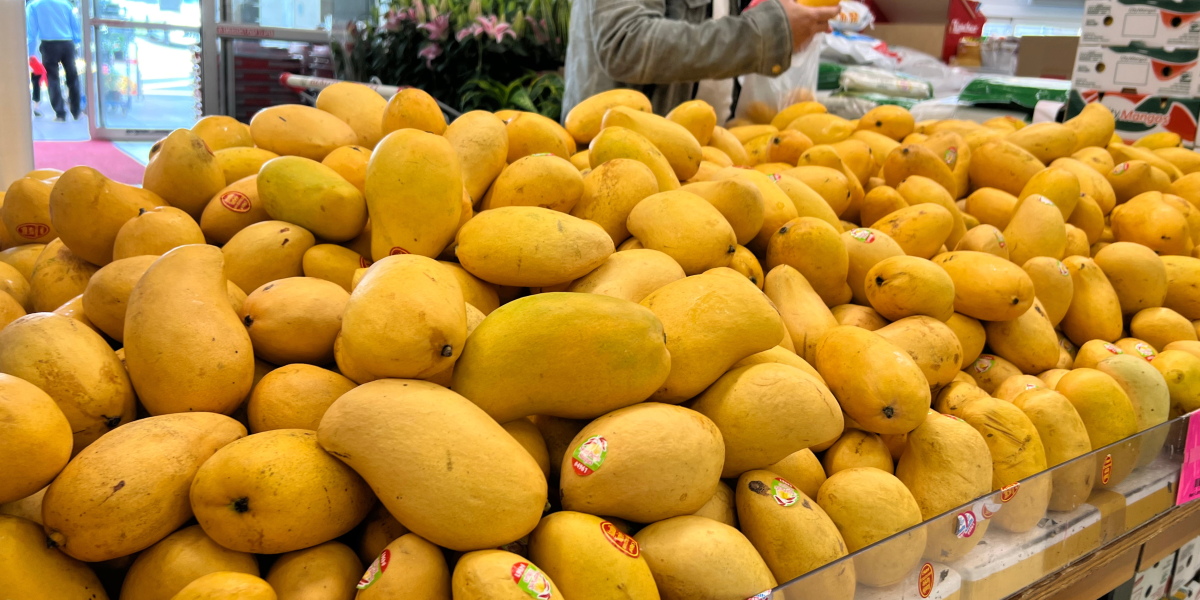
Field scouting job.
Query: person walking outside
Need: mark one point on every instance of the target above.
(54, 25)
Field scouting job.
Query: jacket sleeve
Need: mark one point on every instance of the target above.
(31, 30)
(637, 44)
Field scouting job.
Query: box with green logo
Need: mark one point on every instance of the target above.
(1139, 115)
(1137, 69)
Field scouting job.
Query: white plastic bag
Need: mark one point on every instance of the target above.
(763, 96)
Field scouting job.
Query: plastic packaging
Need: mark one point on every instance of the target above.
(1022, 91)
(877, 81)
(855, 16)
(797, 84)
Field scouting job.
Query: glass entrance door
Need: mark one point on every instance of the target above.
(143, 66)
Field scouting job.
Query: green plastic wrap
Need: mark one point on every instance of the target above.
(1022, 91)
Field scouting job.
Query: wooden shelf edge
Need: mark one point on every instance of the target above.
(1074, 573)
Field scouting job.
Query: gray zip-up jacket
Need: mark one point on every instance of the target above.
(663, 47)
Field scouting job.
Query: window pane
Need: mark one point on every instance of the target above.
(146, 79)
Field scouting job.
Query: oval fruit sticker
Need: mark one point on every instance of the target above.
(397, 250)
(925, 580)
(532, 581)
(236, 201)
(863, 235)
(32, 231)
(377, 568)
(964, 524)
(363, 263)
(1145, 350)
(1113, 349)
(1106, 470)
(619, 540)
(1009, 491)
(784, 492)
(589, 456)
(984, 363)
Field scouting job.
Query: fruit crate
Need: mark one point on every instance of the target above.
(1006, 541)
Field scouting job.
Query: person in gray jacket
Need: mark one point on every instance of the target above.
(666, 47)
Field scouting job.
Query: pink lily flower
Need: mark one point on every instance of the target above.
(430, 52)
(495, 29)
(539, 31)
(474, 31)
(438, 29)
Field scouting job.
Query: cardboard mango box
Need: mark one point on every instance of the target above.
(1161, 23)
(1137, 69)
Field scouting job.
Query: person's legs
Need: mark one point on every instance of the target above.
(72, 75)
(36, 80)
(50, 60)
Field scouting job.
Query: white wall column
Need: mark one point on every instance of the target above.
(16, 117)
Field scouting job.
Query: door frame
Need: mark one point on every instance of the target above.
(91, 73)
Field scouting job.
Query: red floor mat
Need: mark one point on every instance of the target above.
(100, 155)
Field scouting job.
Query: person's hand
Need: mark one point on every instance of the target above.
(807, 21)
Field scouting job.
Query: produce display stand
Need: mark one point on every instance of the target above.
(1068, 554)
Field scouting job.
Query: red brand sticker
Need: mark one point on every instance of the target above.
(1009, 491)
(619, 540)
(236, 201)
(1113, 349)
(925, 580)
(376, 570)
(397, 250)
(363, 262)
(32, 231)
(1106, 470)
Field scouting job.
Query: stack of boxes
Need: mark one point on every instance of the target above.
(1141, 59)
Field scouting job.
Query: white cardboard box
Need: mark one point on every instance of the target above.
(1187, 563)
(1137, 69)
(1158, 23)
(1152, 584)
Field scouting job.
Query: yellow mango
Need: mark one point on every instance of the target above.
(713, 155)
(903, 286)
(914, 159)
(822, 128)
(165, 568)
(1147, 220)
(858, 316)
(892, 121)
(295, 320)
(793, 534)
(880, 202)
(1017, 453)
(787, 146)
(183, 171)
(516, 490)
(155, 232)
(1155, 141)
(232, 209)
(414, 194)
(1095, 311)
(351, 163)
(729, 144)
(868, 506)
(865, 248)
(778, 207)
(1045, 141)
(481, 142)
(418, 571)
(1088, 218)
(1136, 273)
(294, 397)
(856, 449)
(785, 117)
(1058, 185)
(919, 230)
(831, 184)
(1093, 126)
(590, 557)
(1003, 165)
(555, 248)
(248, 494)
(106, 297)
(584, 119)
(631, 275)
(361, 107)
(773, 395)
(970, 334)
(330, 568)
(685, 227)
(1035, 230)
(803, 313)
(697, 116)
(989, 371)
(34, 569)
(888, 396)
(1183, 285)
(157, 459)
(380, 528)
(220, 132)
(1029, 341)
(74, 366)
(932, 345)
(711, 322)
(1181, 370)
(619, 142)
(508, 353)
(227, 586)
(745, 133)
(1185, 160)
(266, 252)
(615, 464)
(814, 248)
(1135, 177)
(88, 210)
(1052, 285)
(992, 206)
(1160, 326)
(1091, 182)
(332, 263)
(802, 470)
(1064, 437)
(313, 196)
(1148, 392)
(499, 575)
(239, 163)
(37, 437)
(58, 276)
(691, 556)
(22, 258)
(984, 238)
(545, 181)
(610, 191)
(411, 108)
(987, 287)
(1122, 153)
(25, 211)
(739, 201)
(747, 264)
(677, 144)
